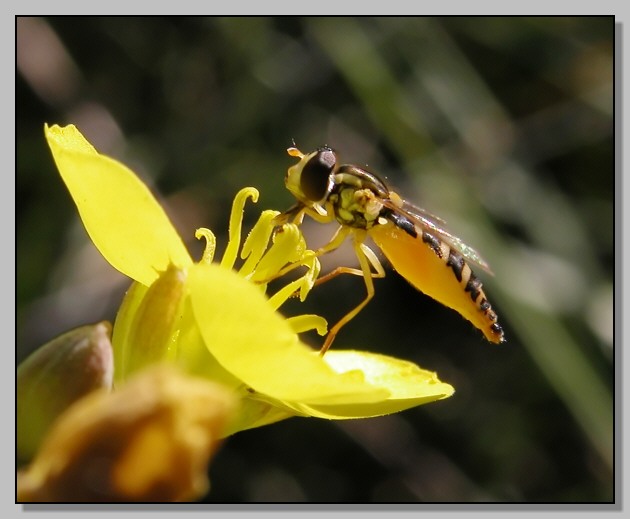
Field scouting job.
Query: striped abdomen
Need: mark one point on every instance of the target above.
(439, 271)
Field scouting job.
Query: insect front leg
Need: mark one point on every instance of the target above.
(376, 264)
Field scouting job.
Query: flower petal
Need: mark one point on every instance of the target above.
(408, 384)
(254, 413)
(258, 346)
(120, 214)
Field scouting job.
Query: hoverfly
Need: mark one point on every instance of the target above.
(414, 241)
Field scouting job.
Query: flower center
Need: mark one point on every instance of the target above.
(265, 253)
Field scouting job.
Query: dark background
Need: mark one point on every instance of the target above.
(502, 126)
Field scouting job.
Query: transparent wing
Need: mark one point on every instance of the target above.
(435, 225)
(418, 212)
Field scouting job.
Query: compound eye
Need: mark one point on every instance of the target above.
(316, 175)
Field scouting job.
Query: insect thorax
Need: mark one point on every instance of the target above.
(355, 207)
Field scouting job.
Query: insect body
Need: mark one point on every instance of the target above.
(415, 242)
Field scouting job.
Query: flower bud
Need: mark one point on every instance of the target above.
(55, 376)
(148, 322)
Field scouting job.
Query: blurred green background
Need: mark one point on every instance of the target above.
(501, 126)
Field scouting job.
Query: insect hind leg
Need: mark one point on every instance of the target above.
(367, 260)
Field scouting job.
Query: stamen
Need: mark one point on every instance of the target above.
(257, 241)
(284, 294)
(288, 247)
(211, 244)
(313, 266)
(307, 322)
(236, 222)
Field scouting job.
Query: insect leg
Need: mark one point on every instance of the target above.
(366, 258)
(376, 264)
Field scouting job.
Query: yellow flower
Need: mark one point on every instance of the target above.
(215, 320)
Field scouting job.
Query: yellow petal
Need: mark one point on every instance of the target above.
(408, 385)
(254, 413)
(259, 347)
(120, 214)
